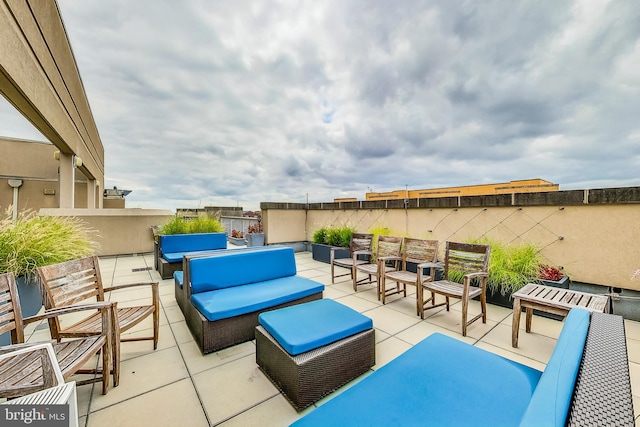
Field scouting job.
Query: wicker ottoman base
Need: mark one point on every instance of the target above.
(307, 377)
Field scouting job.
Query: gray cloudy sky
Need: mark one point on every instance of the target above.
(223, 103)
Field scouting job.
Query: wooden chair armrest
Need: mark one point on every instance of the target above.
(389, 258)
(130, 285)
(55, 312)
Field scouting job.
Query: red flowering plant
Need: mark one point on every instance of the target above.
(550, 273)
(255, 228)
(237, 234)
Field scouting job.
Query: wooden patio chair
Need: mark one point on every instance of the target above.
(470, 260)
(359, 242)
(423, 254)
(71, 282)
(386, 258)
(71, 355)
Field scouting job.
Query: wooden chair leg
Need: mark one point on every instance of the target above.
(465, 306)
(156, 327)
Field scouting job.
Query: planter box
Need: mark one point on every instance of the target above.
(255, 239)
(322, 253)
(562, 283)
(496, 298)
(30, 302)
(238, 241)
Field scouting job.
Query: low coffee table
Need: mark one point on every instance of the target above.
(309, 350)
(551, 300)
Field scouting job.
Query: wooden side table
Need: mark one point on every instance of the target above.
(551, 300)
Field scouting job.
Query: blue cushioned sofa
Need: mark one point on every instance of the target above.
(227, 291)
(173, 247)
(444, 382)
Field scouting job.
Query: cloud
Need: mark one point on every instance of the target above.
(202, 103)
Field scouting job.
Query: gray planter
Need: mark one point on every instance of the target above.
(562, 283)
(238, 241)
(255, 239)
(30, 302)
(321, 252)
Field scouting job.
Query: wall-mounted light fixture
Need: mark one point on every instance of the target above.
(77, 161)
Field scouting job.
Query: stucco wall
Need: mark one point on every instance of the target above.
(119, 231)
(595, 243)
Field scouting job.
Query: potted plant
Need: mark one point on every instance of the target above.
(552, 276)
(326, 238)
(237, 237)
(255, 235)
(33, 241)
(510, 268)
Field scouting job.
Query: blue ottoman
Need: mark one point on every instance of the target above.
(309, 350)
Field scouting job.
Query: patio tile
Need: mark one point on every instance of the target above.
(181, 332)
(173, 313)
(391, 321)
(535, 346)
(276, 411)
(141, 375)
(172, 405)
(129, 350)
(333, 293)
(516, 357)
(388, 350)
(197, 362)
(633, 350)
(357, 303)
(230, 389)
(423, 329)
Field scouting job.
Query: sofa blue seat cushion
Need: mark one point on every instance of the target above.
(178, 278)
(550, 403)
(173, 244)
(439, 381)
(235, 301)
(177, 256)
(305, 327)
(237, 268)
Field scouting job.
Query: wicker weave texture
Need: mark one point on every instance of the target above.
(307, 377)
(602, 395)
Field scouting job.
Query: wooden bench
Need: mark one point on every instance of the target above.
(551, 300)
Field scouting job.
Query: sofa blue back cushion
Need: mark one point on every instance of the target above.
(550, 403)
(239, 300)
(305, 327)
(178, 278)
(192, 242)
(240, 268)
(440, 381)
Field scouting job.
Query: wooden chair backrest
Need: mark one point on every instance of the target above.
(71, 282)
(360, 242)
(466, 258)
(419, 251)
(388, 246)
(10, 312)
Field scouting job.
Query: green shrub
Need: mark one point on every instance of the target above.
(512, 266)
(201, 224)
(34, 241)
(320, 235)
(334, 236)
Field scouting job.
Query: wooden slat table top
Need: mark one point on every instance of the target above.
(561, 298)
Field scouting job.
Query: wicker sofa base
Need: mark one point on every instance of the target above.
(223, 333)
(307, 377)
